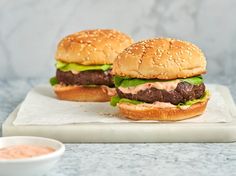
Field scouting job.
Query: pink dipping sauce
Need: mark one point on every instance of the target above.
(24, 151)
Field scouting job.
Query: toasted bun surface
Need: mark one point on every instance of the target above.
(160, 58)
(92, 47)
(137, 112)
(84, 94)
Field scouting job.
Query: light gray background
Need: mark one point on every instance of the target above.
(30, 29)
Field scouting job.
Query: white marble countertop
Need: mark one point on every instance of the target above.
(131, 159)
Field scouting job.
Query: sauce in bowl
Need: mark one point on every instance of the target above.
(24, 151)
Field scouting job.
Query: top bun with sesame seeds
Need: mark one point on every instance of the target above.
(92, 47)
(160, 58)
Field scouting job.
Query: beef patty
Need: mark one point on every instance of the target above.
(182, 93)
(94, 77)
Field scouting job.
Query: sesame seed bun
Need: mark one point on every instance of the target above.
(140, 112)
(160, 58)
(84, 94)
(92, 47)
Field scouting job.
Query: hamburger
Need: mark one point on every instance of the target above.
(84, 62)
(160, 79)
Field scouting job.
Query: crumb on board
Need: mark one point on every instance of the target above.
(106, 114)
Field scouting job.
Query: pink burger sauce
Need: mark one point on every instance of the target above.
(169, 85)
(24, 151)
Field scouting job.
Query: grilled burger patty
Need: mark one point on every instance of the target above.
(182, 93)
(94, 77)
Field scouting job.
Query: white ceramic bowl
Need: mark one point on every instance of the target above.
(34, 166)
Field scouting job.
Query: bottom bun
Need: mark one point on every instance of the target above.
(142, 112)
(84, 93)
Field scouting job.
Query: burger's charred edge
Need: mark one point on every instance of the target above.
(182, 93)
(92, 77)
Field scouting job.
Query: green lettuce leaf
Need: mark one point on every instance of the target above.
(60, 64)
(134, 82)
(131, 82)
(200, 100)
(76, 67)
(118, 80)
(53, 81)
(193, 80)
(116, 99)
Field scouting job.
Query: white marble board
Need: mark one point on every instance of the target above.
(132, 132)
